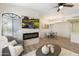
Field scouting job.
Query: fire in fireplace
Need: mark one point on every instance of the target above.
(27, 36)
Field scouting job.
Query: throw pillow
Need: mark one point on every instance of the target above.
(8, 51)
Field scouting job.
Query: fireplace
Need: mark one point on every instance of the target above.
(27, 36)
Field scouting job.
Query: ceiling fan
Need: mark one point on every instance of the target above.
(61, 5)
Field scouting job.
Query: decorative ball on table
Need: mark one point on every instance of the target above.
(51, 48)
(45, 49)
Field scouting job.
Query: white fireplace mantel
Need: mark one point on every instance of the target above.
(30, 30)
(33, 40)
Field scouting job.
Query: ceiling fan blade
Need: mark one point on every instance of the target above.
(60, 4)
(65, 5)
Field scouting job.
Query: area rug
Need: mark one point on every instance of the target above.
(64, 52)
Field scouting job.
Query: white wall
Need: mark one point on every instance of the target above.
(63, 29)
(0, 24)
(76, 27)
(75, 33)
(75, 37)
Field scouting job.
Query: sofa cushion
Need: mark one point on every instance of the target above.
(13, 43)
(18, 49)
(11, 38)
(3, 43)
(8, 51)
(9, 47)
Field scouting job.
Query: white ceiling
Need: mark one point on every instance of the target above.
(42, 7)
(48, 8)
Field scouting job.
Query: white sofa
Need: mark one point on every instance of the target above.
(9, 48)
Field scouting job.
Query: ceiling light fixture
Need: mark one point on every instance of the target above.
(60, 7)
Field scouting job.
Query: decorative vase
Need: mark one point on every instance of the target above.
(51, 48)
(45, 49)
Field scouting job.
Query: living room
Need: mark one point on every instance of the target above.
(27, 29)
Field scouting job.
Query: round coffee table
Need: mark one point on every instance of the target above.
(57, 51)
